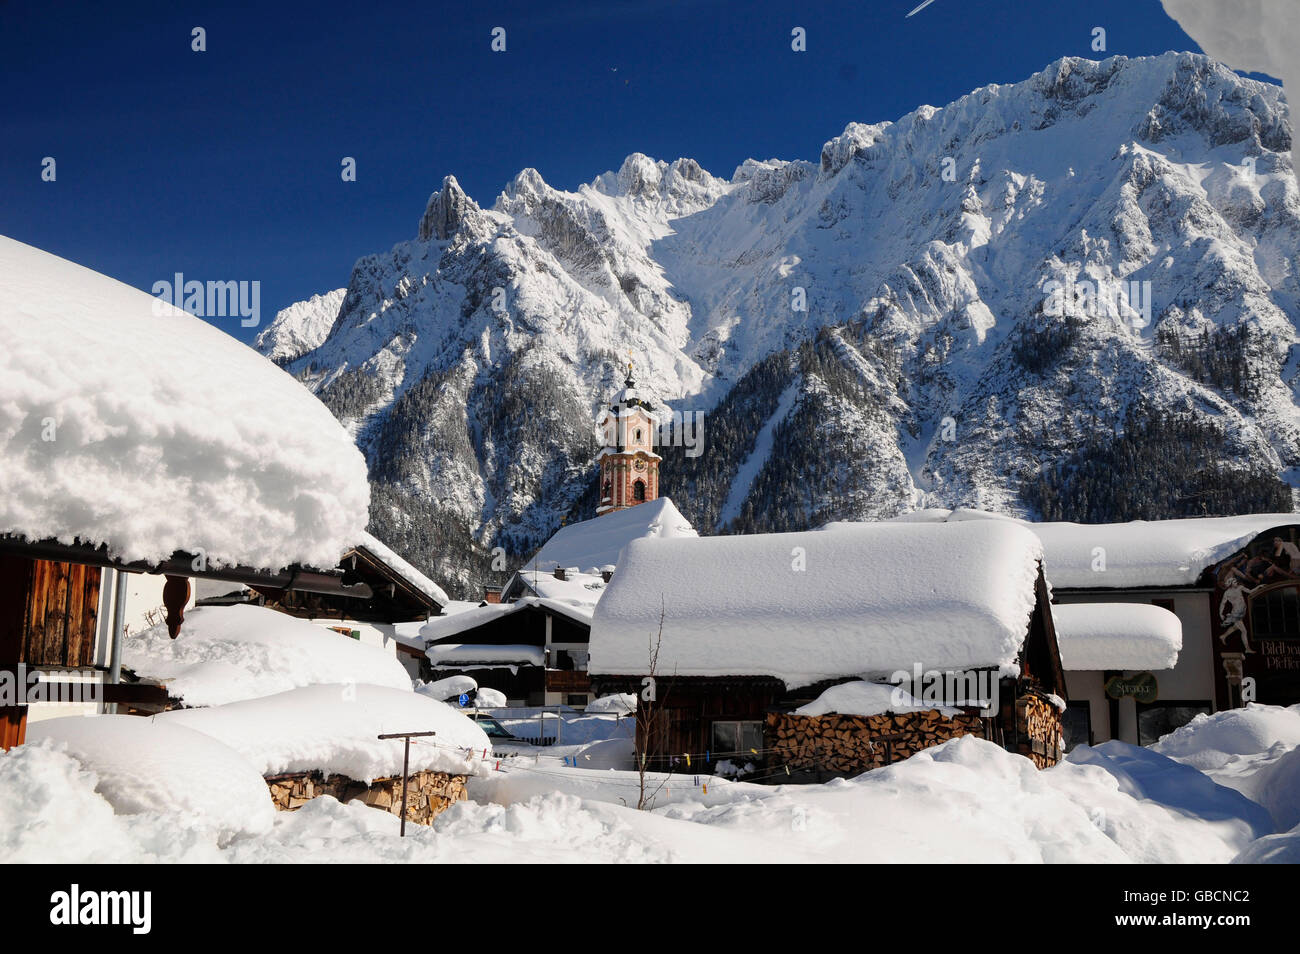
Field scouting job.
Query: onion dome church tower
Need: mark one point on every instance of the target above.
(629, 468)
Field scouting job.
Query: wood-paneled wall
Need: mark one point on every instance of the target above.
(48, 612)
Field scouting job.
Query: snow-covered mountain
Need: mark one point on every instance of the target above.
(867, 333)
(301, 327)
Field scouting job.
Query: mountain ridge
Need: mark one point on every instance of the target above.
(887, 300)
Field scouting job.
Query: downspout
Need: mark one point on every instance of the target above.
(119, 623)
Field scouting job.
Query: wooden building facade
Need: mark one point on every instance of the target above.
(554, 672)
(50, 604)
(749, 721)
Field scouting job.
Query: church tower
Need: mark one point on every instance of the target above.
(629, 467)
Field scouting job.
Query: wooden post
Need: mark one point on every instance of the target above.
(406, 762)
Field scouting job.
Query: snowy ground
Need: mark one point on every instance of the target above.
(963, 801)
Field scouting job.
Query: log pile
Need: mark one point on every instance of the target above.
(848, 745)
(1038, 725)
(428, 794)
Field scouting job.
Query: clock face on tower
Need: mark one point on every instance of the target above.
(640, 465)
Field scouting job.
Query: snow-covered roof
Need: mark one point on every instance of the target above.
(1141, 553)
(444, 627)
(579, 590)
(861, 600)
(398, 565)
(1126, 636)
(127, 422)
(143, 765)
(598, 542)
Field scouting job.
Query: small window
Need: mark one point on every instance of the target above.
(737, 738)
(1158, 719)
(577, 699)
(638, 490)
(638, 435)
(1275, 613)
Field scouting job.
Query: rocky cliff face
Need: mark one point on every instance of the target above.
(1072, 297)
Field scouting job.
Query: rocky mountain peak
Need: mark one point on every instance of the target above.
(447, 210)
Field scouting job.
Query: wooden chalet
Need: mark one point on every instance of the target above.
(532, 650)
(745, 630)
(398, 592)
(52, 596)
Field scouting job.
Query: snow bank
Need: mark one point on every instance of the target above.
(866, 699)
(1213, 742)
(490, 698)
(1280, 849)
(964, 801)
(144, 765)
(859, 600)
(620, 703)
(1152, 777)
(449, 689)
(229, 653)
(333, 729)
(1132, 636)
(1254, 750)
(51, 814)
(169, 434)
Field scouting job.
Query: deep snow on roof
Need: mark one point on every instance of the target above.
(861, 600)
(1126, 636)
(168, 434)
(1140, 553)
(231, 653)
(335, 729)
(595, 543)
(444, 627)
(584, 549)
(404, 569)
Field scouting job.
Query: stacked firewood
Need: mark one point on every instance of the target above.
(1038, 723)
(841, 744)
(427, 793)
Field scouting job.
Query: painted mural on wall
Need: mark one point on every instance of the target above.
(1256, 603)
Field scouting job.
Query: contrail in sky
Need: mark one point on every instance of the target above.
(920, 7)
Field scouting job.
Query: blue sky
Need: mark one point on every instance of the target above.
(226, 164)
